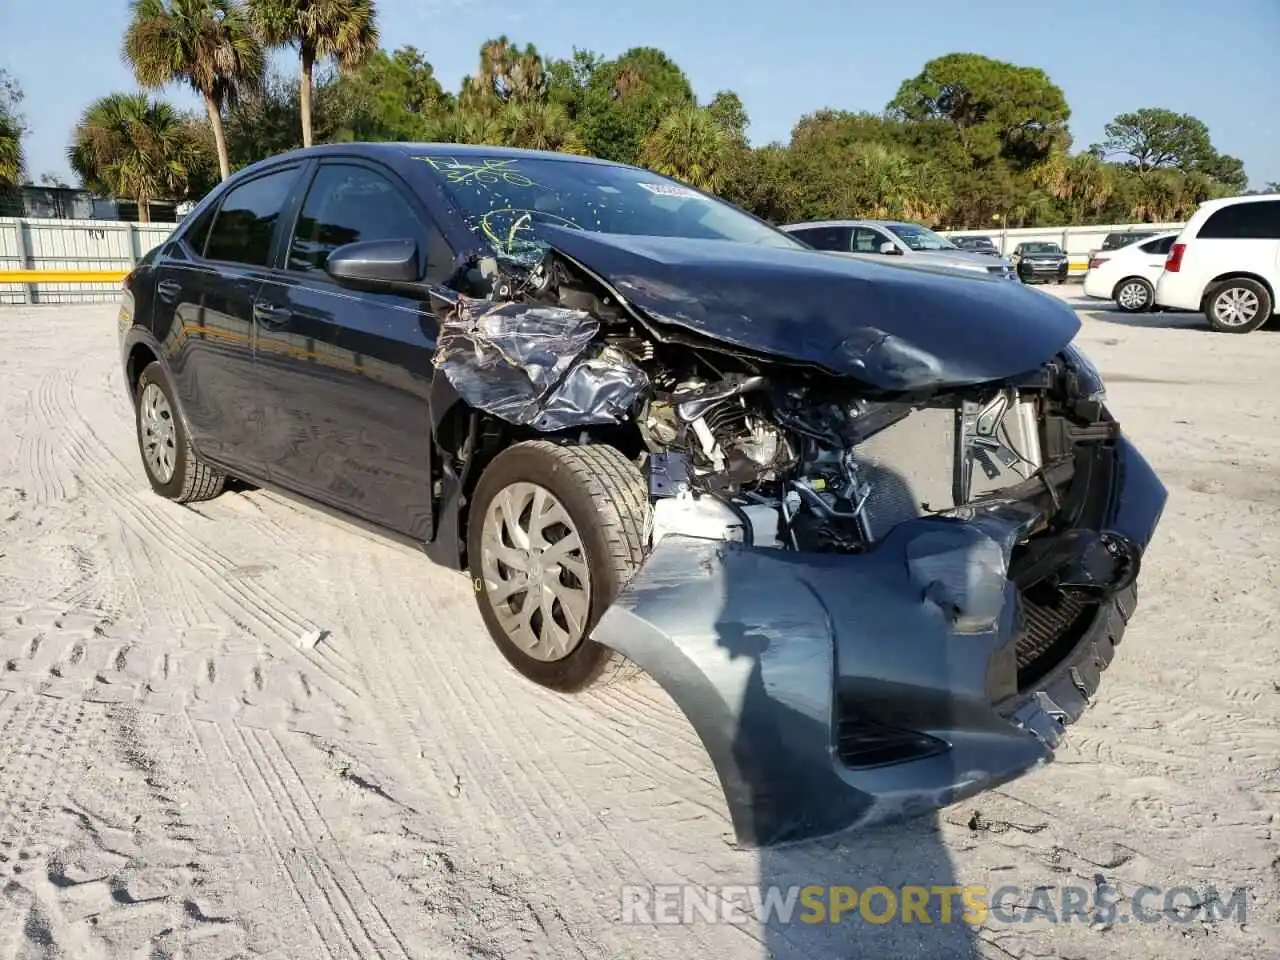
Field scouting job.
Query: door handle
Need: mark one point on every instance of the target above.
(270, 314)
(168, 290)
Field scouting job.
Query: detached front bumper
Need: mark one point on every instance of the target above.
(838, 691)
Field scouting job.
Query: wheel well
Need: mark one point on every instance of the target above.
(1115, 291)
(492, 436)
(1237, 275)
(139, 357)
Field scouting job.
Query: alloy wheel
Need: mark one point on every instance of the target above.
(1235, 307)
(159, 435)
(1133, 296)
(535, 571)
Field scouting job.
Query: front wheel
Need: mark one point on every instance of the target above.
(1238, 306)
(554, 533)
(1134, 295)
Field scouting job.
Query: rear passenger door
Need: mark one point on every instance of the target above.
(825, 238)
(349, 371)
(206, 286)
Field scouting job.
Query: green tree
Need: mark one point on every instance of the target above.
(627, 98)
(692, 146)
(390, 96)
(267, 120)
(344, 31)
(12, 129)
(1154, 137)
(727, 110)
(1083, 183)
(568, 80)
(1225, 170)
(207, 44)
(131, 147)
(760, 180)
(463, 126)
(997, 109)
(538, 125)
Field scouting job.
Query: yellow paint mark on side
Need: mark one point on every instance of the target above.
(62, 276)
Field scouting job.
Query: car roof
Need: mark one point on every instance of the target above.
(1232, 201)
(848, 223)
(398, 151)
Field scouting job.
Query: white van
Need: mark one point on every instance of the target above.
(1226, 263)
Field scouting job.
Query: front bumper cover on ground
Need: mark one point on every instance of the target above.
(773, 654)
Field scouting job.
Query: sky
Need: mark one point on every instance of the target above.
(1215, 59)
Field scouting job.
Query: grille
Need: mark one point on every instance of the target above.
(863, 743)
(911, 467)
(1049, 631)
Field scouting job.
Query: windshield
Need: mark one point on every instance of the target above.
(506, 200)
(1041, 248)
(920, 238)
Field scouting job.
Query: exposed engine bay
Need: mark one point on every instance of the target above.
(895, 531)
(766, 451)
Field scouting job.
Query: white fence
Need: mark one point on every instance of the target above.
(72, 245)
(1078, 242)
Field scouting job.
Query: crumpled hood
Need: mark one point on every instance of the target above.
(894, 327)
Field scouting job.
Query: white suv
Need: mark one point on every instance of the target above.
(1226, 262)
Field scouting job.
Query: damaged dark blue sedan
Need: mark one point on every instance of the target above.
(871, 526)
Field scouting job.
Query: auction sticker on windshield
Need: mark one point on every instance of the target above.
(671, 190)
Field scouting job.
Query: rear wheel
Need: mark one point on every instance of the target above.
(554, 533)
(1238, 306)
(172, 465)
(1134, 295)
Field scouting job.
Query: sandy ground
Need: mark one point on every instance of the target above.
(178, 778)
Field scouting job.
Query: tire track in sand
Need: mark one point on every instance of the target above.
(252, 608)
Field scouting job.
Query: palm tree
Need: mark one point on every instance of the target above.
(463, 126)
(341, 30)
(131, 147)
(539, 126)
(208, 44)
(689, 145)
(11, 159)
(12, 128)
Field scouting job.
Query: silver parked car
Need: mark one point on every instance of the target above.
(892, 238)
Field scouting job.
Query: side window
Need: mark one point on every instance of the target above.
(1244, 221)
(242, 230)
(348, 203)
(197, 233)
(1161, 246)
(826, 238)
(866, 240)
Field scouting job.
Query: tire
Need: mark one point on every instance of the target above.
(1134, 295)
(606, 501)
(1242, 294)
(182, 476)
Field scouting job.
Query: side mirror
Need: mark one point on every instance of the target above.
(890, 249)
(375, 263)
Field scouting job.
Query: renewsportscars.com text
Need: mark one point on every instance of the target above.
(973, 905)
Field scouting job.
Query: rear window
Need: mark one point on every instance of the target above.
(1115, 241)
(1243, 221)
(825, 238)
